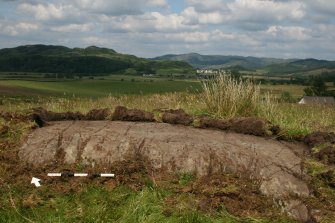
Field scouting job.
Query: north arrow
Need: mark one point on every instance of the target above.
(36, 181)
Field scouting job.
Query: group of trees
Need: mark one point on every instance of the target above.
(318, 87)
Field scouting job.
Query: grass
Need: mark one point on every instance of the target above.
(185, 178)
(227, 97)
(96, 88)
(297, 91)
(299, 120)
(122, 204)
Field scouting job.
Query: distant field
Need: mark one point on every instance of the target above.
(295, 90)
(33, 85)
(95, 88)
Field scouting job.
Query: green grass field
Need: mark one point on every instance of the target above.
(96, 88)
(116, 86)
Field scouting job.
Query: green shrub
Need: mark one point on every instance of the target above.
(286, 97)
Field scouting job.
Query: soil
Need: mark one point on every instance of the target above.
(46, 115)
(239, 195)
(325, 144)
(327, 154)
(329, 178)
(135, 115)
(4, 130)
(319, 138)
(206, 122)
(177, 117)
(98, 114)
(248, 125)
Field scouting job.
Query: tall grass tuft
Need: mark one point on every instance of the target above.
(226, 96)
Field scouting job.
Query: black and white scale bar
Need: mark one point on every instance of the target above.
(80, 175)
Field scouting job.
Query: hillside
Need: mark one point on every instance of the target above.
(91, 60)
(306, 65)
(218, 61)
(269, 66)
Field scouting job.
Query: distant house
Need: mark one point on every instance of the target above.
(317, 100)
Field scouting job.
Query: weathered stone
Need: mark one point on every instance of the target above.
(296, 209)
(173, 148)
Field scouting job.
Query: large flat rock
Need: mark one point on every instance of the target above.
(173, 148)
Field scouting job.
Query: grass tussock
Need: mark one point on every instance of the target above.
(226, 96)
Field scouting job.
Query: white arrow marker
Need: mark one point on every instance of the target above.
(36, 181)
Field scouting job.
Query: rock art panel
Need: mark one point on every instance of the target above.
(277, 165)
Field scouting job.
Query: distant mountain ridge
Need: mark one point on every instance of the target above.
(91, 60)
(220, 61)
(270, 65)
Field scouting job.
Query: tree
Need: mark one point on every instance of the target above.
(235, 74)
(130, 71)
(318, 87)
(286, 97)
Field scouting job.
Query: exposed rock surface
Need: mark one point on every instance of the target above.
(277, 165)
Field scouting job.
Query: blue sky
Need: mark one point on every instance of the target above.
(148, 28)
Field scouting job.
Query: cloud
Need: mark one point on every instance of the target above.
(246, 14)
(73, 28)
(44, 12)
(276, 28)
(148, 22)
(322, 6)
(117, 8)
(208, 5)
(261, 11)
(288, 33)
(17, 29)
(193, 17)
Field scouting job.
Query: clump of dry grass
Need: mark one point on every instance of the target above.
(226, 96)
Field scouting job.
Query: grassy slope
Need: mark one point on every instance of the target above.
(311, 66)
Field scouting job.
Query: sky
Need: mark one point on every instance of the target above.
(149, 28)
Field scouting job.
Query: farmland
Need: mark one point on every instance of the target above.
(116, 85)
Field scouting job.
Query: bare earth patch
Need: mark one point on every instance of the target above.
(277, 165)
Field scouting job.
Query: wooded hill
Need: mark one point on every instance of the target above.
(88, 61)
